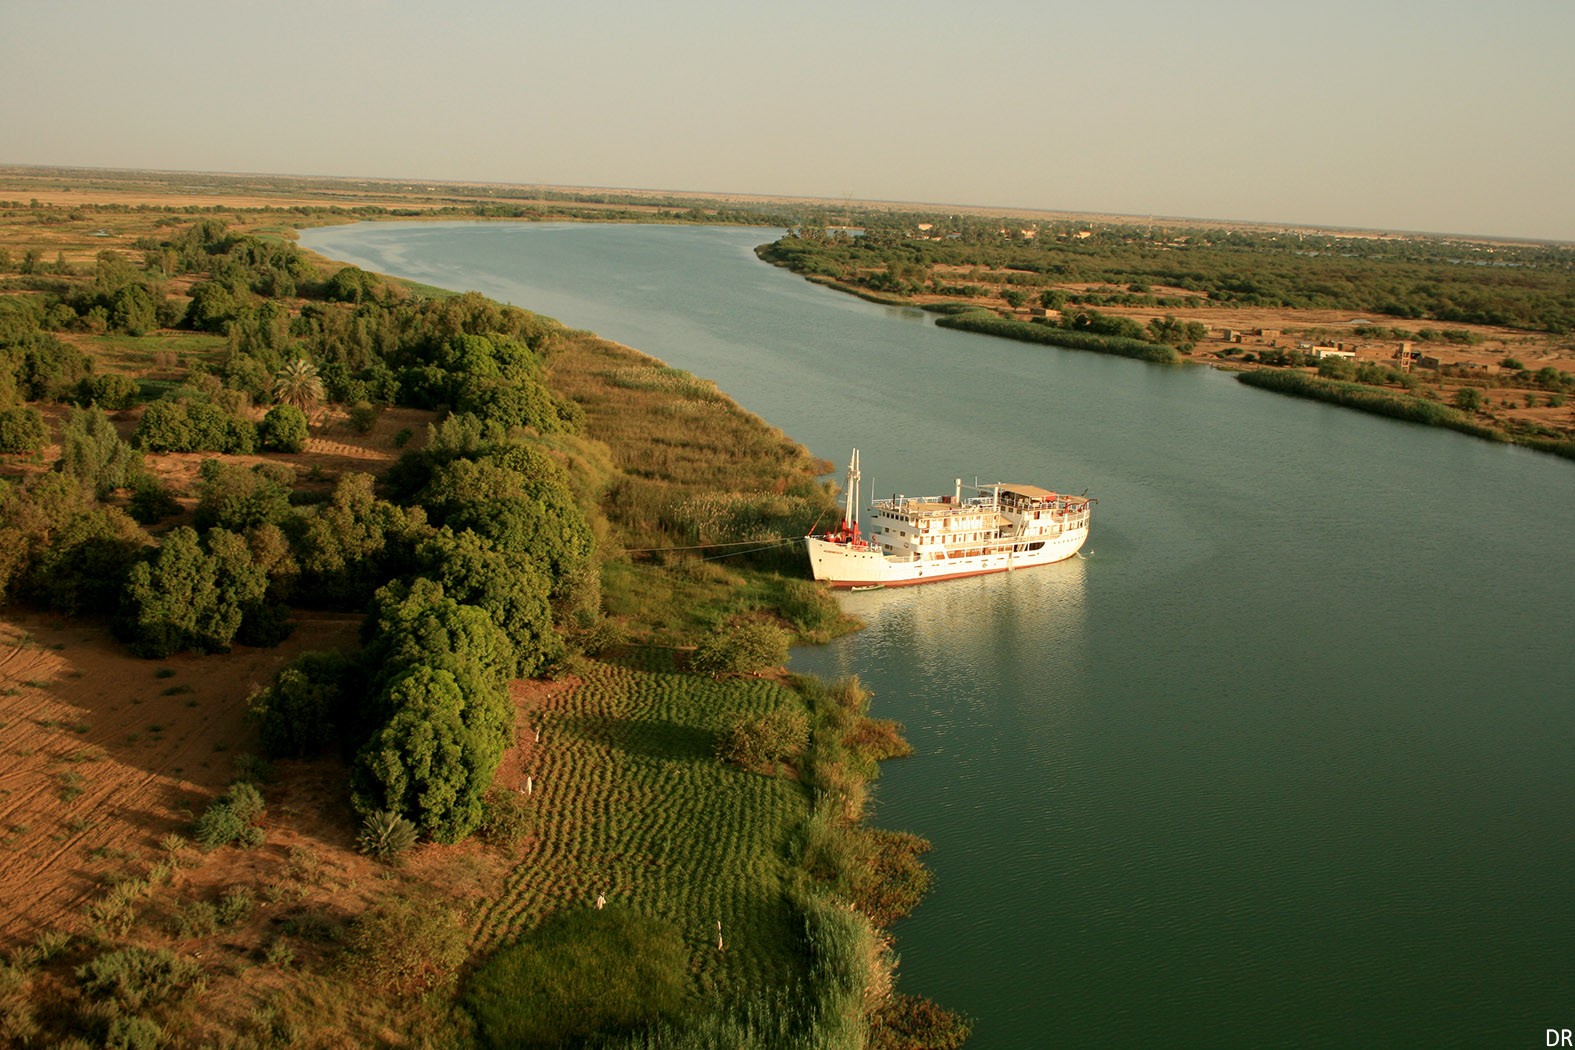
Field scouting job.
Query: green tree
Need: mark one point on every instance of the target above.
(22, 429)
(164, 427)
(235, 497)
(84, 566)
(350, 285)
(92, 452)
(132, 310)
(1470, 399)
(513, 591)
(108, 390)
(304, 709)
(298, 384)
(191, 594)
(355, 544)
(213, 306)
(517, 497)
(417, 623)
(425, 762)
(283, 429)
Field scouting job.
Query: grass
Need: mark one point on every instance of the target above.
(682, 464)
(634, 805)
(587, 972)
(985, 322)
(1397, 404)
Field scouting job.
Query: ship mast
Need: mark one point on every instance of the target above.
(851, 514)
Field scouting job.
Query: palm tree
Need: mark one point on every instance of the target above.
(298, 384)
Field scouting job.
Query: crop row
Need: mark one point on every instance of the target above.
(632, 804)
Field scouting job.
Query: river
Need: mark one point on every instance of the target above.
(1287, 760)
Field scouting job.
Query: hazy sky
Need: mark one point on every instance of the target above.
(1400, 114)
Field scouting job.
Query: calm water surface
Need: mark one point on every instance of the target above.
(1286, 761)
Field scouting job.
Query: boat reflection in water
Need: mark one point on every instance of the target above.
(958, 653)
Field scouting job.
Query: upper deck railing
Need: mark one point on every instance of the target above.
(921, 507)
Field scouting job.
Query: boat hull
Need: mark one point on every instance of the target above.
(860, 565)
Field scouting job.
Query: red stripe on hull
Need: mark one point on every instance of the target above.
(935, 579)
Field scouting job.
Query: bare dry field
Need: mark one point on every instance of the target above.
(104, 754)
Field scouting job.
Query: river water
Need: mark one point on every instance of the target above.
(1286, 760)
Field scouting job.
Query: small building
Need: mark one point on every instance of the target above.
(1321, 352)
(1230, 335)
(1269, 333)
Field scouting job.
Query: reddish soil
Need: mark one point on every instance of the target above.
(100, 758)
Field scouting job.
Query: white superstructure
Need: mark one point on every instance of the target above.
(927, 538)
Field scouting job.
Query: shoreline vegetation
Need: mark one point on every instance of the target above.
(561, 741)
(1292, 303)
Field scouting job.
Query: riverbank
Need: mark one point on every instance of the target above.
(766, 853)
(1139, 805)
(1480, 390)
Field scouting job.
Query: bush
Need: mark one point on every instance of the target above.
(236, 904)
(406, 944)
(910, 1022)
(135, 977)
(304, 710)
(134, 1033)
(229, 818)
(745, 645)
(283, 429)
(363, 417)
(505, 817)
(385, 834)
(810, 608)
(752, 741)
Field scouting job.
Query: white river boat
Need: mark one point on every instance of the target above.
(921, 539)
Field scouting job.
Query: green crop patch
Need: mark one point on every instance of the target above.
(632, 804)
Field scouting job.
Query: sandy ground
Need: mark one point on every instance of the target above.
(101, 758)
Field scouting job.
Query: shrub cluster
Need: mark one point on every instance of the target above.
(740, 646)
(231, 818)
(174, 424)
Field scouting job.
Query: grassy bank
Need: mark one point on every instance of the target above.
(635, 804)
(1396, 404)
(687, 512)
(986, 323)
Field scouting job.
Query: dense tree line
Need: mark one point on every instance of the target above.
(1521, 286)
